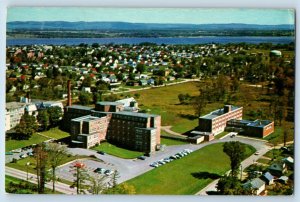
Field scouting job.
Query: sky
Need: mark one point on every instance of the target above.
(153, 15)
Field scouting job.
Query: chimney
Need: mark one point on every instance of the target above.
(69, 103)
(227, 108)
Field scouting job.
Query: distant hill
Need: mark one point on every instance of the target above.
(81, 26)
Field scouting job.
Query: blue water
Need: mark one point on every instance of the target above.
(175, 40)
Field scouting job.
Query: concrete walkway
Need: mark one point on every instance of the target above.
(168, 130)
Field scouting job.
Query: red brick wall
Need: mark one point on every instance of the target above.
(268, 129)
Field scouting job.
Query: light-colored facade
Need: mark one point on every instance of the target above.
(13, 114)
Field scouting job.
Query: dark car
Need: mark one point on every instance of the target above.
(101, 152)
(142, 157)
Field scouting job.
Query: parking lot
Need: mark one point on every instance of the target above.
(67, 171)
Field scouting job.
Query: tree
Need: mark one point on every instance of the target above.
(97, 183)
(56, 155)
(236, 152)
(55, 115)
(229, 185)
(123, 188)
(43, 119)
(85, 98)
(141, 68)
(79, 172)
(41, 161)
(26, 127)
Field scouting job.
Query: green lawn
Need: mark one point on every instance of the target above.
(221, 135)
(117, 151)
(169, 142)
(15, 144)
(277, 136)
(55, 133)
(264, 161)
(21, 164)
(187, 175)
(30, 187)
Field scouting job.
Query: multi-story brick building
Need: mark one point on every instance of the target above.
(215, 122)
(108, 120)
(230, 117)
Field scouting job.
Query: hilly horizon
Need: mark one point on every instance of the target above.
(98, 25)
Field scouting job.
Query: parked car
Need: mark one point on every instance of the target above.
(101, 152)
(108, 172)
(257, 153)
(100, 170)
(23, 156)
(29, 153)
(9, 153)
(142, 157)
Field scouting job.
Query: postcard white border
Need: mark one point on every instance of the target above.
(294, 4)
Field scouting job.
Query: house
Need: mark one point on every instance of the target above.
(289, 161)
(268, 178)
(150, 81)
(143, 82)
(86, 89)
(283, 179)
(256, 185)
(278, 168)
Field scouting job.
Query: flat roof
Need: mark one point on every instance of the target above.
(109, 103)
(218, 112)
(85, 118)
(79, 107)
(136, 114)
(14, 105)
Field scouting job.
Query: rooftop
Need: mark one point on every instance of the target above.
(109, 103)
(218, 112)
(136, 114)
(87, 118)
(14, 105)
(79, 107)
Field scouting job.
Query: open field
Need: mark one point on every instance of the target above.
(15, 144)
(187, 175)
(164, 101)
(55, 133)
(117, 151)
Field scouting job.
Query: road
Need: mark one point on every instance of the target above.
(261, 149)
(60, 187)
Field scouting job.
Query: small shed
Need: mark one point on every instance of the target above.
(268, 178)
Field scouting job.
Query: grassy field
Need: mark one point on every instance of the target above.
(187, 175)
(170, 142)
(55, 133)
(117, 151)
(277, 136)
(21, 164)
(164, 101)
(15, 144)
(221, 135)
(10, 179)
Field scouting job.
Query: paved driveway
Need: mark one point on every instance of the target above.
(130, 168)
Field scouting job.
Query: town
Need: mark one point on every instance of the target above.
(110, 119)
